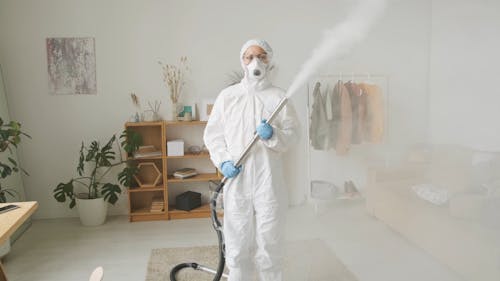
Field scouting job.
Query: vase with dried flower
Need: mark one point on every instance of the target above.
(174, 78)
(154, 111)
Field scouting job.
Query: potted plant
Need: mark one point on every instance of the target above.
(90, 191)
(10, 137)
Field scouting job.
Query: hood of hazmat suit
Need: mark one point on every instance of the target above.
(255, 201)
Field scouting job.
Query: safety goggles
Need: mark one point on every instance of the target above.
(248, 58)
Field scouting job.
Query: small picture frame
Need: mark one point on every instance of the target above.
(194, 111)
(206, 109)
(188, 113)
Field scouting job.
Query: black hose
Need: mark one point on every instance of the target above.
(220, 237)
(180, 266)
(218, 229)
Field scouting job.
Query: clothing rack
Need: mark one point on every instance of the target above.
(346, 163)
(378, 79)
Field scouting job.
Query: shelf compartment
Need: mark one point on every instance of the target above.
(190, 155)
(200, 212)
(146, 158)
(143, 124)
(145, 212)
(146, 189)
(140, 206)
(184, 123)
(148, 176)
(151, 133)
(197, 178)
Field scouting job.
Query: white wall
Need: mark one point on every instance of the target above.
(131, 36)
(464, 60)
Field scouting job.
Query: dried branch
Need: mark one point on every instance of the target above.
(174, 78)
(135, 100)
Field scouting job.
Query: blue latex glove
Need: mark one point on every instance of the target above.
(229, 170)
(264, 130)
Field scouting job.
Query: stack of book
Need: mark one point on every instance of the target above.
(157, 205)
(147, 151)
(185, 173)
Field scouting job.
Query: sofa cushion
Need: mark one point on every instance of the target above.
(431, 193)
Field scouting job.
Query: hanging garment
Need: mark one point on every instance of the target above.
(356, 108)
(332, 105)
(328, 102)
(341, 124)
(362, 111)
(318, 130)
(374, 129)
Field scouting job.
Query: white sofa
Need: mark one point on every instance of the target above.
(464, 233)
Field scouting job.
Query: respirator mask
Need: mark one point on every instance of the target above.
(256, 69)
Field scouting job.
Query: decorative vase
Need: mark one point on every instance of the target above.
(92, 211)
(156, 116)
(174, 111)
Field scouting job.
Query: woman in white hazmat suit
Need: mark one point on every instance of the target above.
(255, 201)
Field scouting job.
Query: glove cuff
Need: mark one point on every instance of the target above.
(224, 162)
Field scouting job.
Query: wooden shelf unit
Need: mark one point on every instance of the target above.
(140, 199)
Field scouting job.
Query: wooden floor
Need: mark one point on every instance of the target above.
(61, 249)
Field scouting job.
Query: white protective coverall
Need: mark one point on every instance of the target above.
(255, 201)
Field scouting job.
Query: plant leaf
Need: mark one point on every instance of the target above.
(107, 154)
(131, 141)
(15, 125)
(5, 170)
(81, 161)
(12, 161)
(11, 192)
(94, 148)
(65, 191)
(59, 193)
(72, 204)
(110, 192)
(24, 172)
(126, 176)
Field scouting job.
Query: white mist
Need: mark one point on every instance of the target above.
(340, 39)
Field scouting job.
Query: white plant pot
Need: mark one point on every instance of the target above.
(4, 248)
(92, 211)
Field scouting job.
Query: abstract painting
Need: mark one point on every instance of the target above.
(71, 66)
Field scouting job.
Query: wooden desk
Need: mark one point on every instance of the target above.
(10, 222)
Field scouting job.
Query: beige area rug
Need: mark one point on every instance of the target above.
(309, 260)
